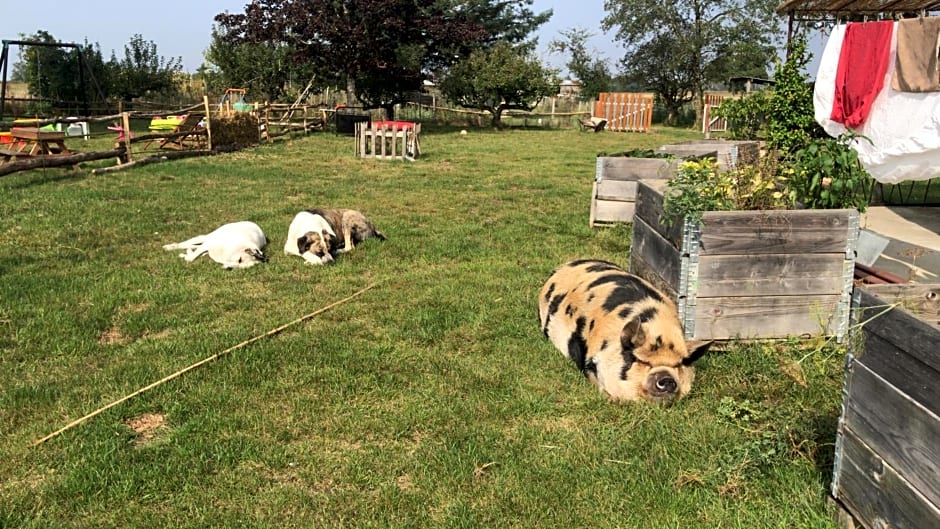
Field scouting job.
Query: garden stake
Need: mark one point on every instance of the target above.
(272, 332)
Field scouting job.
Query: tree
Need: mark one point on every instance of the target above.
(500, 78)
(382, 49)
(142, 71)
(592, 71)
(264, 68)
(677, 48)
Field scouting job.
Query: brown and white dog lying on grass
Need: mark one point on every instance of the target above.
(311, 237)
(234, 245)
(621, 332)
(350, 225)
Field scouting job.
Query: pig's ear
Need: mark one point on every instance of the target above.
(632, 335)
(696, 349)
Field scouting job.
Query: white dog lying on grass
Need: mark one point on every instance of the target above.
(233, 245)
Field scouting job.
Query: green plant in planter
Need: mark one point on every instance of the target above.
(746, 116)
(698, 186)
(637, 153)
(826, 174)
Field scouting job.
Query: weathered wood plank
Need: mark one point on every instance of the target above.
(607, 211)
(921, 300)
(784, 231)
(770, 274)
(875, 493)
(654, 254)
(899, 430)
(649, 207)
(899, 327)
(642, 269)
(626, 168)
(623, 190)
(910, 376)
(764, 316)
(696, 152)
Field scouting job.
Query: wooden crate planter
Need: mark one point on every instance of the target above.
(728, 153)
(887, 458)
(749, 274)
(613, 195)
(388, 142)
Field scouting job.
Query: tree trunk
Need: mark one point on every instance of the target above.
(350, 91)
(672, 112)
(698, 103)
(497, 119)
(389, 112)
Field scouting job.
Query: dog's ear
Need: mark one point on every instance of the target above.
(329, 241)
(303, 244)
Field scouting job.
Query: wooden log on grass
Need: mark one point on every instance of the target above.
(38, 162)
(156, 158)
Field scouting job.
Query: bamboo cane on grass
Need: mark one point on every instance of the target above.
(167, 378)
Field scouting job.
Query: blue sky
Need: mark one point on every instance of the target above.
(182, 28)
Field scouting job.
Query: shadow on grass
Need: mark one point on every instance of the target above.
(823, 427)
(35, 177)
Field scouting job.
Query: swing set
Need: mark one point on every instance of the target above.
(5, 59)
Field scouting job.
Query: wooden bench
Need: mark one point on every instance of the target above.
(9, 155)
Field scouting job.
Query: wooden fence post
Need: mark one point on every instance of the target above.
(126, 125)
(205, 102)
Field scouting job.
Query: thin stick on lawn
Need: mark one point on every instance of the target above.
(167, 378)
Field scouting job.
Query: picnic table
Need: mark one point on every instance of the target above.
(33, 141)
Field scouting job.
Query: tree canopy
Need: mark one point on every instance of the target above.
(143, 70)
(585, 65)
(264, 68)
(53, 72)
(381, 49)
(678, 48)
(502, 77)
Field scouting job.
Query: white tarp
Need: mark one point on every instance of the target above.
(904, 127)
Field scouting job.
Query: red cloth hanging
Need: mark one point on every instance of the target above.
(860, 75)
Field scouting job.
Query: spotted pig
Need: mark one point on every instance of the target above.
(621, 332)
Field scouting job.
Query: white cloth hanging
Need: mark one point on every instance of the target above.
(903, 127)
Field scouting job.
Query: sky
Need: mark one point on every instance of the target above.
(183, 28)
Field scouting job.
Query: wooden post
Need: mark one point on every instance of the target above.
(267, 120)
(205, 102)
(126, 125)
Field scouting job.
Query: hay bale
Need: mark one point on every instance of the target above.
(235, 131)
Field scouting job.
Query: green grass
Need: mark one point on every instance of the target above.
(431, 400)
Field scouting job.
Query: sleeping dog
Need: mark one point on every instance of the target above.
(310, 236)
(621, 332)
(351, 224)
(234, 245)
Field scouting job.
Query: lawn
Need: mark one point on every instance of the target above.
(431, 400)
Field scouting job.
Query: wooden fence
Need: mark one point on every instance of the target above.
(625, 111)
(709, 122)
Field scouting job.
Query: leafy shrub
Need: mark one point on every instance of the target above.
(826, 174)
(746, 116)
(699, 187)
(791, 121)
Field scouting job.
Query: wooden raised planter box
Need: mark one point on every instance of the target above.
(728, 153)
(613, 196)
(749, 274)
(887, 457)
